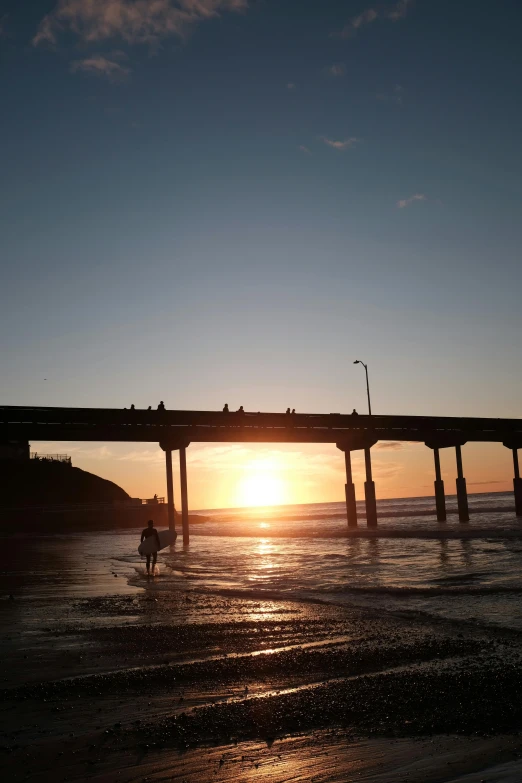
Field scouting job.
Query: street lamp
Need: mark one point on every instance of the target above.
(358, 361)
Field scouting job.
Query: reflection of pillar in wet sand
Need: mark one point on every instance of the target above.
(170, 490)
(517, 484)
(351, 507)
(184, 494)
(440, 499)
(462, 494)
(369, 492)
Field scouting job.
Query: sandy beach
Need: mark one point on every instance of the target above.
(109, 678)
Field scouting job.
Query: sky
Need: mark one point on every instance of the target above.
(210, 201)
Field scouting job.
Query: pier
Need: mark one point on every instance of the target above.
(176, 430)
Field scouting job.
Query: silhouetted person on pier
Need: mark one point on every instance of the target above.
(132, 408)
(161, 406)
(149, 531)
(225, 408)
(149, 408)
(240, 409)
(293, 411)
(354, 412)
(288, 411)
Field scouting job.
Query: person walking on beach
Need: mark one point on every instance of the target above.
(149, 531)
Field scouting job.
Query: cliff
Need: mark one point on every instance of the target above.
(38, 483)
(32, 493)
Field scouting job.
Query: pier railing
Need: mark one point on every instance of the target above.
(97, 424)
(51, 457)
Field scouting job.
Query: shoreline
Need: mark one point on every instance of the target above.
(450, 530)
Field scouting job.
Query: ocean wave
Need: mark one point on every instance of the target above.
(457, 590)
(382, 513)
(440, 532)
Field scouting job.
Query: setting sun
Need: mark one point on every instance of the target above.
(261, 486)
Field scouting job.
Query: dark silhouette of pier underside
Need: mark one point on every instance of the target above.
(177, 429)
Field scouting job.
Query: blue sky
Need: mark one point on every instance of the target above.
(230, 200)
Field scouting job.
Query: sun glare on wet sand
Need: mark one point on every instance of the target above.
(260, 485)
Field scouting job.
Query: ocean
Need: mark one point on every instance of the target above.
(297, 551)
(300, 552)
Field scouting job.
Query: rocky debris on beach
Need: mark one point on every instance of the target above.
(285, 667)
(142, 676)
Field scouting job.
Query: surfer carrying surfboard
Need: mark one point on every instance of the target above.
(149, 531)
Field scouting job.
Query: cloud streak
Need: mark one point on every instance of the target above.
(389, 445)
(394, 14)
(240, 458)
(406, 202)
(101, 66)
(394, 96)
(341, 145)
(336, 70)
(134, 21)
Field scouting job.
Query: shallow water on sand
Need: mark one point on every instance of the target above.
(477, 579)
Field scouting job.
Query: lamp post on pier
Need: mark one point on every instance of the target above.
(358, 361)
(369, 484)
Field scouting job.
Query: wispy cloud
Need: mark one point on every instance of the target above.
(101, 66)
(366, 17)
(396, 95)
(134, 21)
(244, 458)
(336, 70)
(115, 453)
(370, 15)
(485, 483)
(341, 144)
(386, 470)
(390, 445)
(406, 202)
(83, 451)
(400, 10)
(152, 456)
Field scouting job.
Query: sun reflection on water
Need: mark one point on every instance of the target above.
(265, 550)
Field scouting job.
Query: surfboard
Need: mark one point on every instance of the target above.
(149, 545)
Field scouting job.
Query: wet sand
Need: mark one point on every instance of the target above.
(103, 680)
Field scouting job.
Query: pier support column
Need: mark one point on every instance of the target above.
(357, 441)
(462, 495)
(184, 494)
(517, 484)
(369, 492)
(349, 488)
(440, 499)
(170, 491)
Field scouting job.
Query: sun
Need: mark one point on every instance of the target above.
(261, 485)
